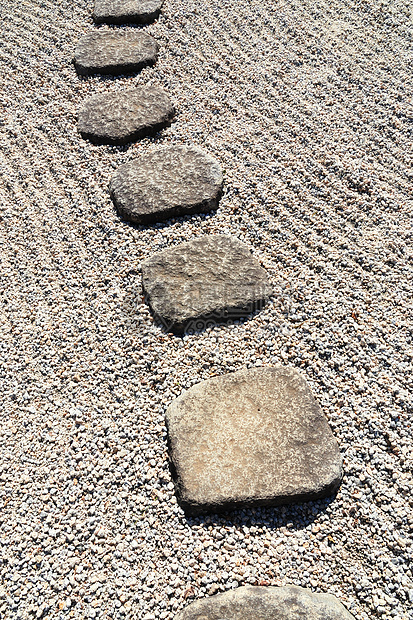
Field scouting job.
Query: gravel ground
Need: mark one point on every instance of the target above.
(306, 106)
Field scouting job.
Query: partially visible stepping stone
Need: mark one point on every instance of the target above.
(204, 281)
(272, 603)
(126, 11)
(250, 438)
(118, 118)
(168, 182)
(114, 51)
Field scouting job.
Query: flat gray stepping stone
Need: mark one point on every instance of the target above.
(126, 11)
(204, 281)
(251, 438)
(119, 51)
(272, 603)
(168, 182)
(118, 118)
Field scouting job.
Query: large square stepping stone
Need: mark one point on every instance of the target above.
(126, 11)
(272, 603)
(166, 183)
(114, 51)
(119, 117)
(201, 282)
(251, 438)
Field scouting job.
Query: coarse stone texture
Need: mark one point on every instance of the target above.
(126, 11)
(253, 437)
(118, 118)
(203, 281)
(168, 182)
(119, 51)
(267, 603)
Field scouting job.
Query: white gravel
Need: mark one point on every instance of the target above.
(306, 105)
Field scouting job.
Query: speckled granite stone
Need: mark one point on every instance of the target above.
(114, 51)
(119, 117)
(165, 183)
(126, 11)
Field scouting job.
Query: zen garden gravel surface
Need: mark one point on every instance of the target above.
(306, 107)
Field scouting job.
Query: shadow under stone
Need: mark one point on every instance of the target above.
(294, 516)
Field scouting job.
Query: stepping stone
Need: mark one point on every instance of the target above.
(168, 182)
(271, 603)
(118, 118)
(126, 11)
(118, 51)
(201, 282)
(250, 438)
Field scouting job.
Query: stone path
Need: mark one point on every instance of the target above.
(166, 183)
(212, 278)
(114, 51)
(251, 438)
(254, 437)
(271, 603)
(126, 11)
(118, 118)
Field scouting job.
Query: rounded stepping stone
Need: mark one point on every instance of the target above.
(204, 281)
(119, 51)
(126, 11)
(255, 437)
(118, 118)
(168, 182)
(271, 603)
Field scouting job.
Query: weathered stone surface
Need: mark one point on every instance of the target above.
(272, 603)
(168, 182)
(126, 11)
(118, 118)
(253, 437)
(212, 278)
(114, 51)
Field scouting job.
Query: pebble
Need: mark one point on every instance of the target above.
(306, 107)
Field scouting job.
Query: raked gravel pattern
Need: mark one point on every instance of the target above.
(306, 106)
